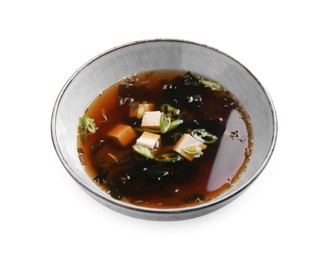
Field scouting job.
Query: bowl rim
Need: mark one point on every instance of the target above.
(166, 211)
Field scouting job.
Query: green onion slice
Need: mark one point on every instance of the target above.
(169, 110)
(168, 157)
(175, 123)
(204, 136)
(86, 124)
(193, 150)
(167, 125)
(212, 85)
(143, 129)
(164, 123)
(144, 151)
(90, 125)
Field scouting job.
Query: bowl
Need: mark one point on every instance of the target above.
(116, 63)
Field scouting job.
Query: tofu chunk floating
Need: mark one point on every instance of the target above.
(122, 134)
(151, 119)
(187, 142)
(137, 110)
(149, 140)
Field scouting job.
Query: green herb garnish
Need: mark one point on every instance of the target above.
(168, 157)
(164, 123)
(145, 129)
(175, 123)
(204, 136)
(211, 84)
(170, 119)
(144, 151)
(86, 125)
(196, 151)
(170, 111)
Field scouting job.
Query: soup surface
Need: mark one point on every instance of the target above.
(164, 139)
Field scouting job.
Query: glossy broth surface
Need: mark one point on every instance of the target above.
(129, 176)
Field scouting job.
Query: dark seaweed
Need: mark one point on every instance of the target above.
(133, 91)
(115, 192)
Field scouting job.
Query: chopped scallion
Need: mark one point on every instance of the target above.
(86, 124)
(204, 136)
(168, 157)
(170, 111)
(145, 129)
(144, 151)
(193, 150)
(212, 85)
(175, 123)
(164, 123)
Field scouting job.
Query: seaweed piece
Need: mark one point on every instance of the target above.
(132, 93)
(212, 85)
(115, 192)
(191, 80)
(195, 103)
(159, 171)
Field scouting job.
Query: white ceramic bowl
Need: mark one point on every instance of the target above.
(114, 64)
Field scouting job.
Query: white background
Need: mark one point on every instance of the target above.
(284, 215)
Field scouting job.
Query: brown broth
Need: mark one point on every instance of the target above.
(189, 182)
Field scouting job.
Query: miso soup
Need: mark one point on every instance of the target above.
(164, 139)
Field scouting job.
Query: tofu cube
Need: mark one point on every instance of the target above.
(151, 119)
(187, 141)
(122, 134)
(137, 110)
(149, 140)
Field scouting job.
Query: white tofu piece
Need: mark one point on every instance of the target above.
(151, 119)
(137, 110)
(187, 141)
(149, 140)
(145, 107)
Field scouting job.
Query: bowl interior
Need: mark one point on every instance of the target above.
(115, 64)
